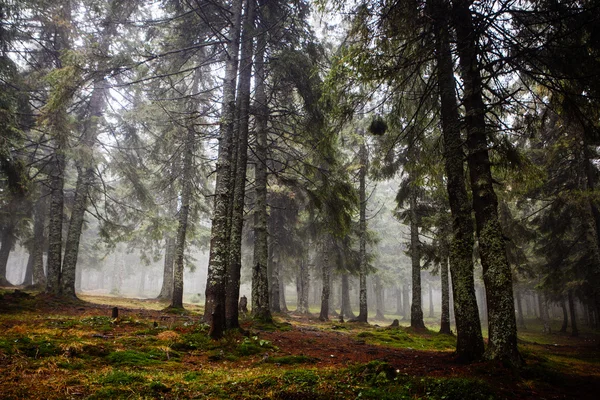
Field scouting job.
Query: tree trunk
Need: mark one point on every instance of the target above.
(166, 291)
(416, 308)
(186, 197)
(326, 268)
(544, 312)
(521, 319)
(469, 344)
(39, 241)
(363, 313)
(492, 248)
(275, 305)
(565, 324)
(239, 194)
(379, 311)
(399, 310)
(55, 226)
(430, 300)
(346, 308)
(573, 312)
(8, 241)
(214, 308)
(28, 279)
(282, 301)
(260, 278)
(445, 319)
(405, 301)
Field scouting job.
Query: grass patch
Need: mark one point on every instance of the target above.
(399, 337)
(134, 358)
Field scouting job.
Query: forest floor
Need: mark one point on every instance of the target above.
(53, 349)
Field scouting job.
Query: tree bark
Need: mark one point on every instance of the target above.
(239, 194)
(326, 270)
(565, 324)
(416, 308)
(166, 290)
(346, 308)
(363, 314)
(186, 198)
(214, 308)
(8, 241)
(85, 178)
(445, 318)
(573, 312)
(469, 345)
(379, 311)
(39, 240)
(492, 247)
(520, 319)
(260, 278)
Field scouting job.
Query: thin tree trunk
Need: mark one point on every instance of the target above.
(214, 308)
(260, 278)
(186, 197)
(326, 269)
(521, 319)
(406, 301)
(346, 308)
(275, 305)
(239, 194)
(399, 310)
(565, 324)
(430, 300)
(379, 311)
(445, 319)
(363, 314)
(39, 241)
(416, 308)
(28, 279)
(492, 248)
(573, 312)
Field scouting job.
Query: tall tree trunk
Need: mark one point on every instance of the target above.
(363, 313)
(184, 210)
(469, 345)
(346, 308)
(430, 300)
(416, 308)
(326, 269)
(275, 305)
(239, 194)
(406, 300)
(445, 319)
(8, 241)
(166, 291)
(55, 226)
(282, 301)
(565, 324)
(214, 308)
(520, 319)
(544, 312)
(260, 278)
(492, 247)
(573, 312)
(28, 279)
(399, 310)
(379, 307)
(39, 241)
(85, 178)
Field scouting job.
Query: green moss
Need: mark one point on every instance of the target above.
(132, 357)
(289, 360)
(118, 377)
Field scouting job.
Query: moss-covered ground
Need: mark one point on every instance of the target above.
(51, 349)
